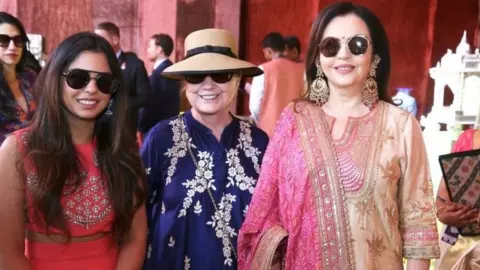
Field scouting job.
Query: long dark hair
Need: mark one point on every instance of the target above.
(50, 148)
(7, 110)
(377, 33)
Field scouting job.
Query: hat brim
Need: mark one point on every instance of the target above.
(207, 63)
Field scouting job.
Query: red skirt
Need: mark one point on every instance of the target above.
(99, 255)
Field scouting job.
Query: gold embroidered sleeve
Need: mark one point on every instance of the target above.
(416, 206)
(267, 254)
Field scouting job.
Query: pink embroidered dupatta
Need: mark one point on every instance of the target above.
(298, 196)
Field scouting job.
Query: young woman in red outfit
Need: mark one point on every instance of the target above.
(71, 185)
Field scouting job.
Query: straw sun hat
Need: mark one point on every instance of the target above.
(211, 51)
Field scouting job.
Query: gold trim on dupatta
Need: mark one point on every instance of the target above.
(332, 215)
(268, 245)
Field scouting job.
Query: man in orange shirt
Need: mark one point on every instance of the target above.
(281, 83)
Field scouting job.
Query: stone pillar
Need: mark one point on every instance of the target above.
(227, 16)
(55, 21)
(9, 6)
(124, 14)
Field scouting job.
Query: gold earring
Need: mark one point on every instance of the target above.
(370, 88)
(319, 91)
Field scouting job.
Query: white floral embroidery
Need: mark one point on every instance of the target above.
(187, 263)
(148, 170)
(236, 173)
(245, 211)
(149, 252)
(198, 208)
(171, 242)
(203, 180)
(163, 208)
(179, 148)
(220, 223)
(245, 143)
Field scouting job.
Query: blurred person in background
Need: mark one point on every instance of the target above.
(17, 103)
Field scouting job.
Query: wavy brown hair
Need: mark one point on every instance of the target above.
(377, 33)
(7, 107)
(50, 149)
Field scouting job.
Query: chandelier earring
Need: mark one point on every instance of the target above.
(319, 91)
(109, 111)
(370, 88)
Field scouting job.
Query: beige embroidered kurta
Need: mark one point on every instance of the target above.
(368, 214)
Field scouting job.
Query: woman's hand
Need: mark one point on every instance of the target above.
(458, 215)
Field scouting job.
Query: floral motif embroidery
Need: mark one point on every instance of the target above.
(220, 222)
(245, 143)
(90, 204)
(187, 263)
(426, 187)
(32, 182)
(198, 208)
(376, 247)
(392, 215)
(70, 183)
(86, 204)
(386, 136)
(163, 208)
(364, 208)
(416, 210)
(391, 172)
(179, 148)
(171, 242)
(236, 173)
(245, 211)
(203, 180)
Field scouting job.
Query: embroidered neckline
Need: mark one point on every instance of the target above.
(204, 178)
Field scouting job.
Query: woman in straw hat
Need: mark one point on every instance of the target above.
(202, 166)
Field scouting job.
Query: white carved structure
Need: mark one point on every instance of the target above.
(460, 71)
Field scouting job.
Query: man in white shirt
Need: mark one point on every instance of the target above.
(272, 47)
(281, 83)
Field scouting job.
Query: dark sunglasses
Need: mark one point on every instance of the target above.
(80, 78)
(216, 77)
(357, 45)
(17, 40)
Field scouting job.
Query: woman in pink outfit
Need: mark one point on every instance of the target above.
(465, 253)
(345, 182)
